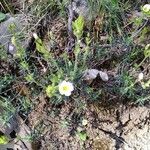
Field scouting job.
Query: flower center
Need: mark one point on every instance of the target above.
(65, 88)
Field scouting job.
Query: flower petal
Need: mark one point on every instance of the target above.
(67, 94)
(71, 87)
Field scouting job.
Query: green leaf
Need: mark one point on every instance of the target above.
(147, 51)
(51, 90)
(29, 77)
(78, 26)
(2, 16)
(3, 140)
(82, 136)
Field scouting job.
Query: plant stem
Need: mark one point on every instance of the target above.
(141, 62)
(77, 51)
(143, 99)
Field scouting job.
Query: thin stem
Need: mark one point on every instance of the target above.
(141, 62)
(77, 51)
(70, 32)
(143, 99)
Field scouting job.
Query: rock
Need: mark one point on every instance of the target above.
(23, 133)
(81, 8)
(9, 126)
(12, 25)
(6, 146)
(86, 9)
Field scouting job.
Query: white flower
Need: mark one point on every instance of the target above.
(65, 88)
(84, 122)
(141, 76)
(35, 36)
(146, 8)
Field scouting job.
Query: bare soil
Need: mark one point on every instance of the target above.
(122, 128)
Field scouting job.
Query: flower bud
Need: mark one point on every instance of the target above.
(141, 76)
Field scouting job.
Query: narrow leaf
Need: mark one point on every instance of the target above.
(2, 16)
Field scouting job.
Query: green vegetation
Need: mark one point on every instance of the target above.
(59, 75)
